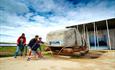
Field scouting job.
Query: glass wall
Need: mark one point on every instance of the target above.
(101, 40)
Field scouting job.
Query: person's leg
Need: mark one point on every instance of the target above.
(17, 51)
(30, 51)
(25, 50)
(21, 50)
(34, 54)
(39, 54)
(29, 54)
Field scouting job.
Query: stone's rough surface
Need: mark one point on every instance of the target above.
(66, 38)
(78, 38)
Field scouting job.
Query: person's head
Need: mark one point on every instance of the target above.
(40, 38)
(23, 35)
(36, 37)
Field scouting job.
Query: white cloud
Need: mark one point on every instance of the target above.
(13, 6)
(64, 14)
(39, 19)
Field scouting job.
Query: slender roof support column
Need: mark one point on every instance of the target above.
(84, 30)
(108, 35)
(94, 36)
(84, 36)
(97, 37)
(77, 27)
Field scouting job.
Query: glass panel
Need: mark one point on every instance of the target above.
(101, 39)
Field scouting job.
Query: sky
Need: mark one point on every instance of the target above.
(38, 17)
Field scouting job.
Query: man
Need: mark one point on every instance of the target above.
(34, 44)
(21, 43)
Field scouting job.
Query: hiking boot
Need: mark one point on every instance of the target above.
(15, 56)
(20, 54)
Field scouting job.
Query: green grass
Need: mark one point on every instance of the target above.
(7, 51)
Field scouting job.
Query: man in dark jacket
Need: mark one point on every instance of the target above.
(34, 44)
(21, 44)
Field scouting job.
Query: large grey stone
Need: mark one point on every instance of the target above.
(65, 38)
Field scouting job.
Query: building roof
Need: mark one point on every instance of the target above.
(100, 25)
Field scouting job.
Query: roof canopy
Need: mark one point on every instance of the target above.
(100, 25)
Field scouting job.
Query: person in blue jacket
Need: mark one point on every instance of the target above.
(34, 44)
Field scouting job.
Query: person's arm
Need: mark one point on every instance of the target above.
(24, 41)
(30, 43)
(42, 42)
(18, 40)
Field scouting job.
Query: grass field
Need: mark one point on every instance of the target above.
(6, 51)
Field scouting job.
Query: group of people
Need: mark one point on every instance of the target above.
(33, 46)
